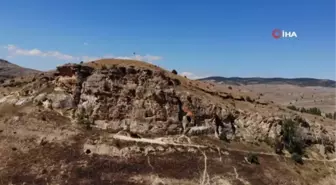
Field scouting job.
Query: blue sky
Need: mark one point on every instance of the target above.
(200, 38)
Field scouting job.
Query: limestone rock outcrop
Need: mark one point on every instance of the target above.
(152, 103)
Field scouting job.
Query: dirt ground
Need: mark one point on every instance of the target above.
(323, 98)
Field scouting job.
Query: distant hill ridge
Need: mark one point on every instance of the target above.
(258, 80)
(9, 70)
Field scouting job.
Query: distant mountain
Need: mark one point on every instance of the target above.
(257, 80)
(9, 70)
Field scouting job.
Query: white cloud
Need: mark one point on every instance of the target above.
(147, 58)
(16, 51)
(191, 75)
(89, 58)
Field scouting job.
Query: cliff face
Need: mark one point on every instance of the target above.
(148, 102)
(151, 103)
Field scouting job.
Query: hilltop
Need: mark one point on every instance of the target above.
(129, 122)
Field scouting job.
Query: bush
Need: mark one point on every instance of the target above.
(291, 137)
(252, 158)
(248, 99)
(84, 120)
(230, 87)
(292, 107)
(329, 115)
(314, 110)
(303, 109)
(104, 67)
(106, 86)
(174, 71)
(278, 146)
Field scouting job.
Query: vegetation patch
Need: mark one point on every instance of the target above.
(252, 158)
(313, 110)
(292, 140)
(84, 119)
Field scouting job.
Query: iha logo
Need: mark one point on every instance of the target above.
(277, 34)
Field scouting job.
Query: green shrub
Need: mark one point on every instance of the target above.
(252, 158)
(291, 140)
(248, 99)
(84, 120)
(292, 107)
(329, 115)
(291, 137)
(314, 110)
(303, 109)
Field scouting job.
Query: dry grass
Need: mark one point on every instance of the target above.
(329, 180)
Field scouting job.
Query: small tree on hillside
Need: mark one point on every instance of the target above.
(292, 107)
(174, 71)
(329, 115)
(253, 158)
(315, 111)
(303, 109)
(292, 138)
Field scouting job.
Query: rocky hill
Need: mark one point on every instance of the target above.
(292, 81)
(129, 122)
(9, 70)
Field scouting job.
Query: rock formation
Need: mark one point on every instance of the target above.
(137, 103)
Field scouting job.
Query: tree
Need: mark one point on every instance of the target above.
(303, 109)
(329, 115)
(314, 110)
(174, 71)
(292, 138)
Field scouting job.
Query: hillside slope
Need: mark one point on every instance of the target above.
(9, 70)
(129, 122)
